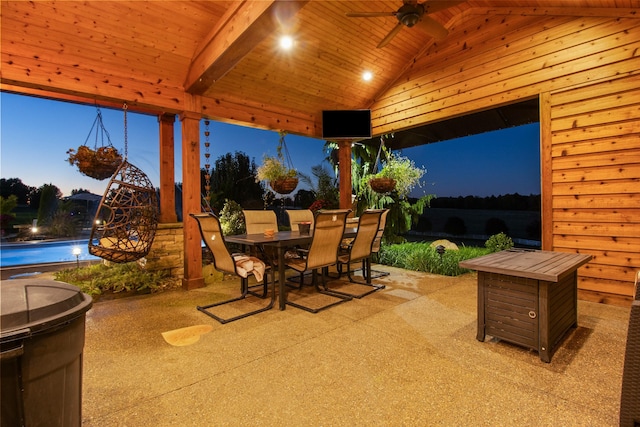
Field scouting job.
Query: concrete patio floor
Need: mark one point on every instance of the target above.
(406, 355)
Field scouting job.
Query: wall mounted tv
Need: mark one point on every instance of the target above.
(346, 124)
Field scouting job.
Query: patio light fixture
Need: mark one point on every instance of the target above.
(77, 251)
(286, 42)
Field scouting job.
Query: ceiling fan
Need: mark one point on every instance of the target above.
(412, 13)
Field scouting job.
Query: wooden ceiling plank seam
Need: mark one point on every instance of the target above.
(521, 38)
(509, 53)
(87, 26)
(80, 50)
(508, 75)
(144, 75)
(477, 103)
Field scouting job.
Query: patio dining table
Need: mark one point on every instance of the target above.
(281, 240)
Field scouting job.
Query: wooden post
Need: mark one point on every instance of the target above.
(167, 169)
(546, 169)
(191, 202)
(344, 173)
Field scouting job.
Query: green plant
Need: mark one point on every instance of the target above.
(274, 167)
(99, 279)
(419, 256)
(403, 170)
(231, 218)
(498, 242)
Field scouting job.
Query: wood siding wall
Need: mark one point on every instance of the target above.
(586, 71)
(595, 171)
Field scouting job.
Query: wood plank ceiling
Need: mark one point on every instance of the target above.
(221, 58)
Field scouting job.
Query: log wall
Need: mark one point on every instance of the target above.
(586, 72)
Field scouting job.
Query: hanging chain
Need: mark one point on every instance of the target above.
(126, 144)
(207, 164)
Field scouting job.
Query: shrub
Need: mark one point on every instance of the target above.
(231, 218)
(99, 279)
(419, 256)
(498, 242)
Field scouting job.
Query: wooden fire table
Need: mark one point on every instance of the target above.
(527, 297)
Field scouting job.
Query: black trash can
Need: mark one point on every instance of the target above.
(41, 344)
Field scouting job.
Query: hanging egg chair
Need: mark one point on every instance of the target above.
(127, 218)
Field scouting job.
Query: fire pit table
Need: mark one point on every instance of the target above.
(527, 297)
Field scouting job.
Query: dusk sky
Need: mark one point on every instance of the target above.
(36, 134)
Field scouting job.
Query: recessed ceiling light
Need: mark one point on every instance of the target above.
(367, 76)
(286, 42)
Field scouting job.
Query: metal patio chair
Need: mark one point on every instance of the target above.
(323, 252)
(361, 249)
(226, 262)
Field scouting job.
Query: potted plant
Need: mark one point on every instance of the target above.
(398, 174)
(282, 177)
(98, 163)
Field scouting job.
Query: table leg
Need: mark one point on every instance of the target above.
(481, 319)
(281, 279)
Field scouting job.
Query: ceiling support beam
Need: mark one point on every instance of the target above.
(243, 28)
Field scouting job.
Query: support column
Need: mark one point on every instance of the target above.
(344, 172)
(167, 169)
(191, 202)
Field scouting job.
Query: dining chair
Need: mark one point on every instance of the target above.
(328, 229)
(239, 265)
(256, 222)
(375, 249)
(361, 249)
(296, 216)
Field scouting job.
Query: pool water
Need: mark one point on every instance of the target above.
(38, 252)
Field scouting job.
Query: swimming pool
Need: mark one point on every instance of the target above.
(38, 252)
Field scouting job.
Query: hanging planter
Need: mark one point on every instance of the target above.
(281, 176)
(284, 185)
(382, 185)
(398, 174)
(99, 162)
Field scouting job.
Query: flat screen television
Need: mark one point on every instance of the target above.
(346, 124)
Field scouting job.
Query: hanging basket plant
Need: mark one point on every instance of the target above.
(284, 185)
(398, 174)
(382, 185)
(278, 170)
(99, 162)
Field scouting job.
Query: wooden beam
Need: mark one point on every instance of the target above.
(167, 169)
(344, 166)
(236, 36)
(191, 201)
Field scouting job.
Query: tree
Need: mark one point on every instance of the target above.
(6, 207)
(49, 195)
(14, 186)
(325, 188)
(233, 178)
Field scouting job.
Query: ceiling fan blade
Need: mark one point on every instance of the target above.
(390, 36)
(369, 14)
(433, 6)
(432, 27)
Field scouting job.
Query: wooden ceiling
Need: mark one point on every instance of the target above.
(221, 59)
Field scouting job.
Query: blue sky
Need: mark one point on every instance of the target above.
(36, 134)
